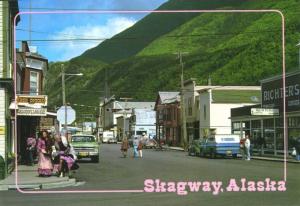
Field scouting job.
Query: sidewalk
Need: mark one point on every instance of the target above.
(277, 159)
(29, 179)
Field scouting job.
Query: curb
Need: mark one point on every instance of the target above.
(253, 157)
(275, 160)
(39, 186)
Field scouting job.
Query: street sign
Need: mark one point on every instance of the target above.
(38, 100)
(31, 112)
(264, 111)
(71, 115)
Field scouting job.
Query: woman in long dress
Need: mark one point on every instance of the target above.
(45, 166)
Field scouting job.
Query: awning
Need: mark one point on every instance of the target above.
(51, 114)
(13, 105)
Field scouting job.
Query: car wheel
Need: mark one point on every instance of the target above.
(212, 154)
(201, 153)
(95, 159)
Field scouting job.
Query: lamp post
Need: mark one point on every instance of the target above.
(63, 74)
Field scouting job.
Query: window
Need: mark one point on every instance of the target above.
(33, 83)
(190, 109)
(197, 104)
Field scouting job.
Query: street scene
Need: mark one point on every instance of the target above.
(139, 102)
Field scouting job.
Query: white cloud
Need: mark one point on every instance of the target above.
(70, 49)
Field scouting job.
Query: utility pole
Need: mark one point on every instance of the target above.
(183, 127)
(63, 74)
(64, 96)
(30, 21)
(106, 88)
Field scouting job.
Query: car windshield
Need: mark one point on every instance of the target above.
(83, 139)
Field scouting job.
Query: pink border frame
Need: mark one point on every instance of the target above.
(148, 11)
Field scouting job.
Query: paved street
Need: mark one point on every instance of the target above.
(115, 173)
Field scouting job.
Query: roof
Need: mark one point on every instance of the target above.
(279, 76)
(236, 96)
(232, 88)
(134, 105)
(168, 97)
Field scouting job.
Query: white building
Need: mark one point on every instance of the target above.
(142, 122)
(216, 102)
(113, 109)
(8, 9)
(192, 106)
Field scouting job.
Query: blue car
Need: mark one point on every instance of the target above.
(220, 145)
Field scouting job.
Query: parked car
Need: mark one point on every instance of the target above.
(149, 143)
(112, 140)
(86, 146)
(223, 145)
(106, 136)
(194, 148)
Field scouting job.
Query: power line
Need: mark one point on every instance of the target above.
(150, 37)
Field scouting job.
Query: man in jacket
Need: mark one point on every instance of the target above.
(247, 147)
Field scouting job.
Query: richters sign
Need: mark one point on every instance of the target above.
(32, 112)
(40, 100)
(272, 93)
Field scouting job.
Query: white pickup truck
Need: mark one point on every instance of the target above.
(106, 136)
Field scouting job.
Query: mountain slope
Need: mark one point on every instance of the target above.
(234, 49)
(149, 28)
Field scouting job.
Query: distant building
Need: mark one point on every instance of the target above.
(113, 109)
(121, 127)
(168, 121)
(142, 121)
(192, 107)
(215, 105)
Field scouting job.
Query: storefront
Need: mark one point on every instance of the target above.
(267, 130)
(30, 110)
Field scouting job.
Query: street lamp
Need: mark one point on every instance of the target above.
(63, 74)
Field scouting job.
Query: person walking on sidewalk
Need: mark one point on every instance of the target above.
(44, 149)
(124, 147)
(140, 148)
(297, 148)
(30, 150)
(247, 147)
(135, 146)
(242, 147)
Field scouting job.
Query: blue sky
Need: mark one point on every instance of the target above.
(70, 26)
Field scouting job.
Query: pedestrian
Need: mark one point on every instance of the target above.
(135, 146)
(242, 147)
(44, 149)
(124, 146)
(140, 148)
(65, 159)
(297, 148)
(30, 149)
(247, 147)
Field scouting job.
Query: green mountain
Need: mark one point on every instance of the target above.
(232, 48)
